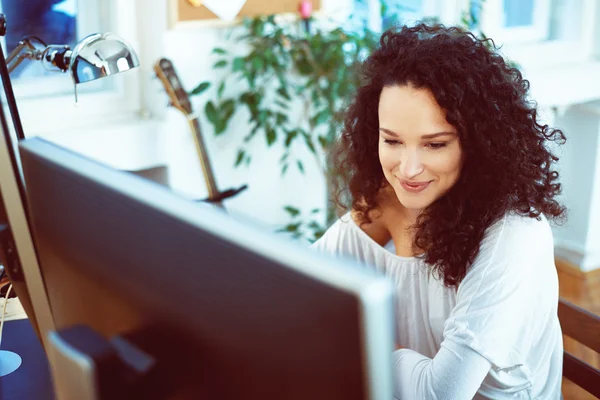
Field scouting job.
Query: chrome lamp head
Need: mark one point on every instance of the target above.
(96, 56)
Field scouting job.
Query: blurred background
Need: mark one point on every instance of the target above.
(269, 82)
(270, 91)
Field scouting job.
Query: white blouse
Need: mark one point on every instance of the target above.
(497, 337)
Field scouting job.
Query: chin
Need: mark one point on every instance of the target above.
(414, 202)
(414, 205)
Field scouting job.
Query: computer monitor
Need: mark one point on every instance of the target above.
(17, 250)
(222, 309)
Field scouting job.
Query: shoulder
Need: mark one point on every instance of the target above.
(509, 295)
(337, 236)
(515, 233)
(380, 217)
(515, 249)
(346, 237)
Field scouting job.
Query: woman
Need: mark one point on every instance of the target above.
(451, 184)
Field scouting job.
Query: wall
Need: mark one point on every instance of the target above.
(577, 240)
(592, 250)
(578, 164)
(189, 47)
(164, 136)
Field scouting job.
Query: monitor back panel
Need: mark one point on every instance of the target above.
(224, 319)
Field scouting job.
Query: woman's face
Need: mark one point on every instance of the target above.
(419, 151)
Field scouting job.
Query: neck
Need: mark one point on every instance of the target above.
(406, 216)
(410, 215)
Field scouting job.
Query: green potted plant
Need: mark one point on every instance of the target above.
(287, 68)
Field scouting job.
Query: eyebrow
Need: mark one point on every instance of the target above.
(429, 136)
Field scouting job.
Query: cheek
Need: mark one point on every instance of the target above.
(449, 164)
(386, 159)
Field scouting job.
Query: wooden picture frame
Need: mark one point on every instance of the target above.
(181, 11)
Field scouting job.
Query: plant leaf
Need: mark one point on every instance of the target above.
(220, 64)
(300, 166)
(281, 118)
(238, 64)
(290, 137)
(309, 143)
(323, 142)
(239, 158)
(219, 50)
(262, 116)
(258, 27)
(321, 117)
(200, 88)
(282, 91)
(258, 63)
(211, 113)
(227, 109)
(291, 227)
(314, 225)
(282, 104)
(220, 127)
(293, 211)
(271, 136)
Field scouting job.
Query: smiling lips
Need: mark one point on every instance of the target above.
(414, 187)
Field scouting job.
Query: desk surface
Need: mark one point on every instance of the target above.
(32, 379)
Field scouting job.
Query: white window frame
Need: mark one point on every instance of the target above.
(47, 104)
(448, 11)
(543, 53)
(494, 21)
(88, 20)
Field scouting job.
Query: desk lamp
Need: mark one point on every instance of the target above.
(96, 56)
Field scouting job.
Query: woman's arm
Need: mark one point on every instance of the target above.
(503, 305)
(456, 372)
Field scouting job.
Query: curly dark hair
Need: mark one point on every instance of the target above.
(507, 163)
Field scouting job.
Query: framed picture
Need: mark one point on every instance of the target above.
(182, 11)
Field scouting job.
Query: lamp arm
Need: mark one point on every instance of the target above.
(20, 59)
(8, 89)
(29, 53)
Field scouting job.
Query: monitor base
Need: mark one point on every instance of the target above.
(9, 362)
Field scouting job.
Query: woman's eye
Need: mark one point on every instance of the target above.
(391, 142)
(436, 145)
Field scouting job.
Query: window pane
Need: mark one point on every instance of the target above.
(359, 20)
(401, 11)
(565, 20)
(53, 21)
(389, 13)
(518, 13)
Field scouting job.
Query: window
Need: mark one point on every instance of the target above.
(517, 20)
(380, 15)
(50, 22)
(401, 11)
(45, 98)
(539, 33)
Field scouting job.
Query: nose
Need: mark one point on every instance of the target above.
(411, 164)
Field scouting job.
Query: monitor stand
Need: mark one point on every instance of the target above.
(9, 361)
(85, 365)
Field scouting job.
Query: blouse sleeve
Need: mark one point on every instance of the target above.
(508, 294)
(503, 302)
(455, 373)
